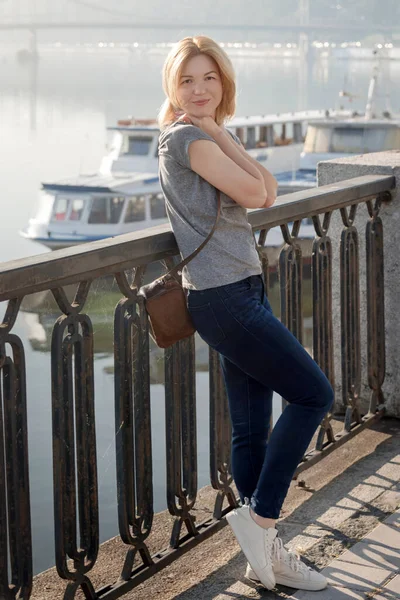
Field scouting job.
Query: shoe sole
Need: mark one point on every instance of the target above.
(254, 581)
(288, 583)
(299, 586)
(269, 583)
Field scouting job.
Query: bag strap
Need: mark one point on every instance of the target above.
(179, 267)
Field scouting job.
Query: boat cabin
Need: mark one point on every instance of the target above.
(133, 147)
(354, 136)
(91, 208)
(134, 142)
(125, 195)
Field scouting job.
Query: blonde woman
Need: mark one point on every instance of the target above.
(227, 301)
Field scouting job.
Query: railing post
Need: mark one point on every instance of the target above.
(15, 509)
(378, 226)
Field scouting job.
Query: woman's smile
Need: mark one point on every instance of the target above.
(200, 102)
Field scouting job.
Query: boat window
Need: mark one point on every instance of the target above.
(376, 139)
(61, 206)
(348, 140)
(392, 139)
(285, 134)
(77, 205)
(139, 146)
(106, 210)
(318, 139)
(157, 206)
(136, 209)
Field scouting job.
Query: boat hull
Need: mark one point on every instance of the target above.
(58, 244)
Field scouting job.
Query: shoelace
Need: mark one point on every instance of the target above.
(290, 558)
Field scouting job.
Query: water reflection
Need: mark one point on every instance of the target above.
(40, 311)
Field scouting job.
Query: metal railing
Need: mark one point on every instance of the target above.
(73, 413)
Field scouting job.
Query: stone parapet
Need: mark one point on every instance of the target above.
(333, 171)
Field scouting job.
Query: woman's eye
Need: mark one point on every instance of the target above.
(190, 80)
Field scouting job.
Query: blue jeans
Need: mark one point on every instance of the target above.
(259, 355)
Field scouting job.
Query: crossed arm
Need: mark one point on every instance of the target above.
(271, 185)
(228, 166)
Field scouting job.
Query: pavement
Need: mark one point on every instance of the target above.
(343, 518)
(346, 525)
(369, 570)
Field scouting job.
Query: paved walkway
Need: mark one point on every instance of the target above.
(369, 570)
(342, 506)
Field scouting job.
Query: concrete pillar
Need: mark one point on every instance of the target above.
(333, 171)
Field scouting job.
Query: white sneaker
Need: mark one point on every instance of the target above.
(289, 570)
(256, 543)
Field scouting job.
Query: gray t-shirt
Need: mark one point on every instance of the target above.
(191, 204)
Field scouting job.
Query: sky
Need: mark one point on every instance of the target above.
(239, 11)
(199, 12)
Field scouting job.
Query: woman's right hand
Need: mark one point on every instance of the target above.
(206, 124)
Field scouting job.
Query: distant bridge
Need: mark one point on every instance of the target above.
(294, 27)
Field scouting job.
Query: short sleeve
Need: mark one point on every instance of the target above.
(175, 141)
(234, 136)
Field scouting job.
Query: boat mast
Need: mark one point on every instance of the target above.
(369, 109)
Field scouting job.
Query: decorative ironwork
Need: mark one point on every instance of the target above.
(181, 435)
(322, 313)
(220, 438)
(133, 422)
(74, 442)
(350, 318)
(290, 278)
(15, 518)
(375, 305)
(75, 473)
(262, 253)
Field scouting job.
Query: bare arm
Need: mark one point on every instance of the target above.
(271, 184)
(212, 164)
(231, 149)
(226, 167)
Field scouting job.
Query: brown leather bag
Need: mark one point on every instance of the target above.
(165, 301)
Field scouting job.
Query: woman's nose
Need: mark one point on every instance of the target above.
(199, 88)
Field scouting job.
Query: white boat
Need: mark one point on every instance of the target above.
(337, 136)
(94, 207)
(125, 195)
(276, 140)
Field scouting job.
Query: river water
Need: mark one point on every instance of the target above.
(53, 117)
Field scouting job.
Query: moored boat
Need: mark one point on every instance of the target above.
(125, 195)
(340, 135)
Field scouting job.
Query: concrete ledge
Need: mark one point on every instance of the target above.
(382, 163)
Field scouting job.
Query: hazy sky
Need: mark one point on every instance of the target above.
(203, 11)
(153, 10)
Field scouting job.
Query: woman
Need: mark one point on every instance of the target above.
(228, 305)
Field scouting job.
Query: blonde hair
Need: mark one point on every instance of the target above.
(181, 52)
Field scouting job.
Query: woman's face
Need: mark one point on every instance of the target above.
(199, 91)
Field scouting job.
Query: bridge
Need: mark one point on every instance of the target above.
(311, 27)
(45, 15)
